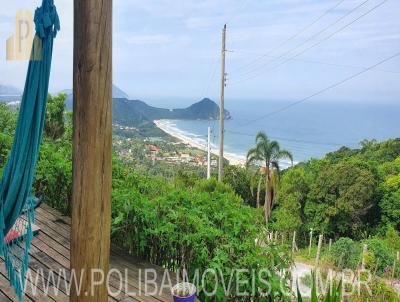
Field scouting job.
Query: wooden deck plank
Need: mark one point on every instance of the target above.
(4, 298)
(133, 280)
(7, 291)
(60, 234)
(49, 213)
(50, 252)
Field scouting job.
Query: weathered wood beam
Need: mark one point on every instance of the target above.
(92, 140)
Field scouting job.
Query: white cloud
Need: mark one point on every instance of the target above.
(171, 46)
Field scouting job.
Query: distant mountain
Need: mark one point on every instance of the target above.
(206, 109)
(9, 94)
(9, 90)
(116, 93)
(125, 113)
(136, 113)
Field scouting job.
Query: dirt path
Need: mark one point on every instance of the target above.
(298, 271)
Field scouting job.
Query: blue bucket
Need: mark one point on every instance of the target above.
(191, 298)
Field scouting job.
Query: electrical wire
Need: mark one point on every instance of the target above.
(313, 45)
(324, 90)
(291, 37)
(328, 63)
(310, 39)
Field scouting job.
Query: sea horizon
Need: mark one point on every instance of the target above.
(308, 130)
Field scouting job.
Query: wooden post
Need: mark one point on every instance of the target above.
(396, 259)
(364, 252)
(319, 250)
(294, 245)
(309, 247)
(92, 143)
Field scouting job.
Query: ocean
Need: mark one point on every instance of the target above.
(308, 130)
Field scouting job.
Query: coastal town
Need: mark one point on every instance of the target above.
(165, 149)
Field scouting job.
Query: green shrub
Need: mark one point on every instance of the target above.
(379, 292)
(207, 226)
(53, 180)
(379, 257)
(345, 253)
(8, 120)
(392, 239)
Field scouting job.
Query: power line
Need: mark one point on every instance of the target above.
(210, 79)
(215, 65)
(328, 63)
(319, 42)
(291, 37)
(308, 39)
(325, 89)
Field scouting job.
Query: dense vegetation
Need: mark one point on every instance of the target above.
(350, 192)
(351, 195)
(185, 223)
(192, 226)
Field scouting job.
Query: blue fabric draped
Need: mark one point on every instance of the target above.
(18, 173)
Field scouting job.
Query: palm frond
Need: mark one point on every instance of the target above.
(251, 152)
(284, 154)
(252, 156)
(274, 148)
(261, 137)
(260, 147)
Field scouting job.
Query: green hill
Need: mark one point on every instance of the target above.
(138, 114)
(134, 110)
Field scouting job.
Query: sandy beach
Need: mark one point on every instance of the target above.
(165, 126)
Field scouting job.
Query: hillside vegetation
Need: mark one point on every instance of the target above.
(350, 192)
(351, 195)
(184, 223)
(205, 109)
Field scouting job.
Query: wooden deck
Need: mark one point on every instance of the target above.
(50, 252)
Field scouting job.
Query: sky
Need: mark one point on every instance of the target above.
(169, 50)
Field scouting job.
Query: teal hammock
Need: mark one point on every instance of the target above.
(16, 203)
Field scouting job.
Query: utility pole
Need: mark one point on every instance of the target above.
(221, 109)
(209, 154)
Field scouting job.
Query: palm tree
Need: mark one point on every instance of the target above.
(257, 176)
(267, 153)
